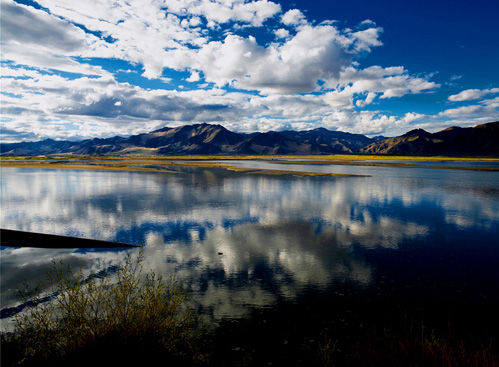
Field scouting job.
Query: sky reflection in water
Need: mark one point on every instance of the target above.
(244, 241)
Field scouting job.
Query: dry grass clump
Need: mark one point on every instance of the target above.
(387, 349)
(121, 318)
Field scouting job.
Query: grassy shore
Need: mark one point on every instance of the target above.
(140, 165)
(262, 157)
(47, 164)
(122, 318)
(142, 326)
(128, 318)
(161, 164)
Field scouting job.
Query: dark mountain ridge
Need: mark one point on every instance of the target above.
(330, 141)
(199, 139)
(481, 140)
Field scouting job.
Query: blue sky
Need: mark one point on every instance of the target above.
(100, 68)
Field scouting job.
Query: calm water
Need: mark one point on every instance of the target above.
(329, 251)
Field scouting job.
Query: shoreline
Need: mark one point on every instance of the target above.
(144, 163)
(255, 157)
(141, 166)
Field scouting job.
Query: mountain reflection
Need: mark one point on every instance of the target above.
(239, 241)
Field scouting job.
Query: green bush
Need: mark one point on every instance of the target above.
(123, 316)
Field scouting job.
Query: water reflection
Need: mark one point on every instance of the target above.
(253, 264)
(243, 241)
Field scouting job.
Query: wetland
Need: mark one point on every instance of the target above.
(277, 252)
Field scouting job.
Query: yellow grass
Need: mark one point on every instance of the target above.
(259, 157)
(57, 165)
(389, 164)
(108, 313)
(141, 163)
(135, 166)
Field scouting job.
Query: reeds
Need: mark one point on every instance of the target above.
(122, 317)
(120, 312)
(384, 348)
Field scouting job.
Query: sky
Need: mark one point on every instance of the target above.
(73, 70)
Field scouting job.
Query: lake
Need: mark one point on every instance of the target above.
(302, 255)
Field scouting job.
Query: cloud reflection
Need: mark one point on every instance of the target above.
(239, 241)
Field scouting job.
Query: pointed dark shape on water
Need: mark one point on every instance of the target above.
(13, 238)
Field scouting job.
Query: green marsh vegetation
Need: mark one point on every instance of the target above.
(110, 319)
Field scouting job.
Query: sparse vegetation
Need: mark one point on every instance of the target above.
(127, 319)
(384, 348)
(346, 157)
(156, 164)
(111, 318)
(124, 317)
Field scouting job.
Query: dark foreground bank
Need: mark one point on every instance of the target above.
(359, 348)
(126, 319)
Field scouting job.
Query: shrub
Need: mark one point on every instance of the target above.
(108, 317)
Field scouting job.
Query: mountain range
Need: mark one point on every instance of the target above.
(198, 139)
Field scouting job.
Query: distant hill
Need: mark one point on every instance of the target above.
(481, 140)
(330, 141)
(201, 139)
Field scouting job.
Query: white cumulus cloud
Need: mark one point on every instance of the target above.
(314, 53)
(305, 74)
(472, 94)
(294, 17)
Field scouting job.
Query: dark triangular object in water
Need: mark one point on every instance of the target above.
(14, 238)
